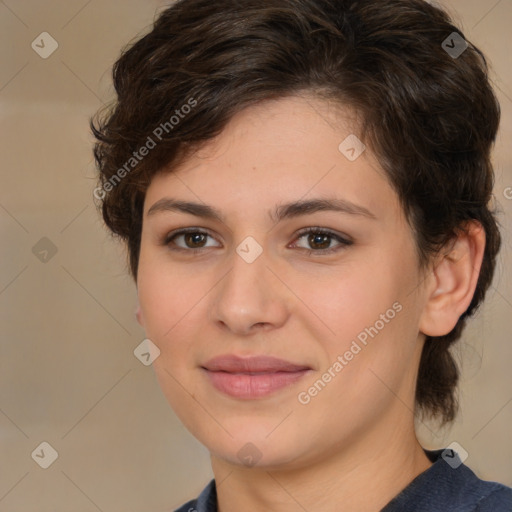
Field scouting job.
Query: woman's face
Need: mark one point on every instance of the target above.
(341, 307)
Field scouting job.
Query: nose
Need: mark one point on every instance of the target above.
(250, 297)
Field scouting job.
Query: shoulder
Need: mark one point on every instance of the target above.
(470, 492)
(449, 485)
(495, 497)
(484, 495)
(190, 506)
(206, 502)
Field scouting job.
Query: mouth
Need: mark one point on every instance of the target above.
(252, 377)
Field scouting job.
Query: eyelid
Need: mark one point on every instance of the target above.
(324, 231)
(343, 240)
(183, 231)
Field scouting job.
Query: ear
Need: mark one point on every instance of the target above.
(138, 315)
(453, 281)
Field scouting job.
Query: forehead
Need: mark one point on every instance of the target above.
(276, 152)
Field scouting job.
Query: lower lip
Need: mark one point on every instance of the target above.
(239, 385)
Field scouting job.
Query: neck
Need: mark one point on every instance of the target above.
(364, 475)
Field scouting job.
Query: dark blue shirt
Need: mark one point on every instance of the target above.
(444, 487)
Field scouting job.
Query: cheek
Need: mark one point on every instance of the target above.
(366, 367)
(174, 304)
(156, 304)
(368, 318)
(165, 295)
(167, 306)
(346, 301)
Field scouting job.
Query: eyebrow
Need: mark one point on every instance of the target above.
(280, 212)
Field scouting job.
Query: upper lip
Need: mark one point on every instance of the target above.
(254, 364)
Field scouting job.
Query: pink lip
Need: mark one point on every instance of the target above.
(252, 377)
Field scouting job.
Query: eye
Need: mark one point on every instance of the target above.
(320, 240)
(193, 238)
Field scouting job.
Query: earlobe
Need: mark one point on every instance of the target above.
(453, 281)
(139, 316)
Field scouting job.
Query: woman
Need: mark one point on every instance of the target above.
(304, 188)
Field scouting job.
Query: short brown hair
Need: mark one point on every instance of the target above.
(429, 115)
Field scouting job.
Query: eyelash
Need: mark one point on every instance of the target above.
(306, 231)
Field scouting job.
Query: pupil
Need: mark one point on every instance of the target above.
(314, 240)
(195, 237)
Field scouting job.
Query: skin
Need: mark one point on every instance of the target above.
(304, 308)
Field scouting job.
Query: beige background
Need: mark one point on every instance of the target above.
(68, 375)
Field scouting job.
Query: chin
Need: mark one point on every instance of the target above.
(255, 445)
